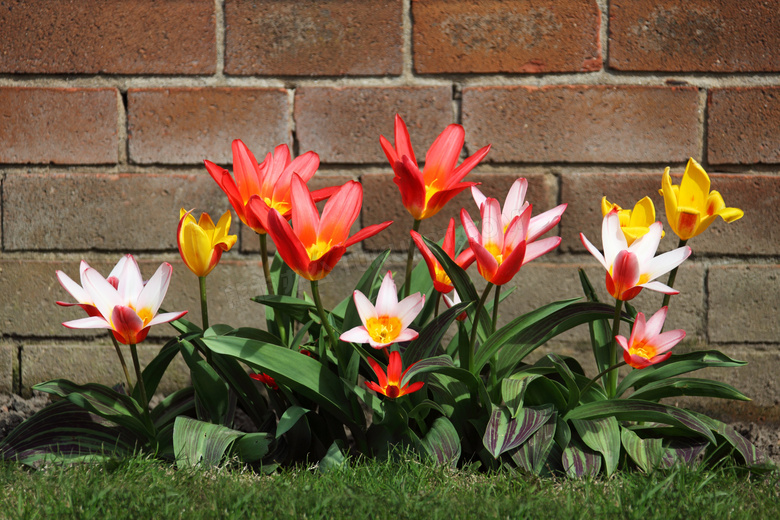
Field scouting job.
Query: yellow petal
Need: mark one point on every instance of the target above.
(607, 206)
(731, 214)
(694, 187)
(670, 200)
(196, 248)
(687, 223)
(643, 213)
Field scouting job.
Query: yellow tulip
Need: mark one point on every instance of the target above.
(633, 222)
(201, 244)
(691, 207)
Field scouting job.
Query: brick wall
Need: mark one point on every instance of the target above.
(106, 115)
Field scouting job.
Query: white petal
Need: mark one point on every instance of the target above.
(667, 340)
(364, 307)
(73, 288)
(387, 297)
(119, 267)
(645, 246)
(492, 224)
(656, 323)
(166, 317)
(479, 197)
(407, 335)
(612, 237)
(408, 308)
(356, 335)
(595, 252)
(544, 222)
(540, 247)
(131, 283)
(93, 322)
(664, 263)
(103, 295)
(472, 233)
(153, 292)
(514, 204)
(659, 287)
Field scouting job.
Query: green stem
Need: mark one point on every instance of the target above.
(140, 380)
(409, 259)
(608, 370)
(436, 307)
(672, 277)
(613, 376)
(467, 355)
(122, 361)
(266, 267)
(204, 306)
(495, 308)
(315, 292)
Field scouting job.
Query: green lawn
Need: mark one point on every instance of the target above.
(139, 489)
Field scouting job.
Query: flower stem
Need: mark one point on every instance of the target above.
(436, 307)
(266, 267)
(613, 376)
(204, 306)
(139, 379)
(467, 355)
(122, 361)
(315, 292)
(606, 371)
(409, 259)
(495, 308)
(672, 277)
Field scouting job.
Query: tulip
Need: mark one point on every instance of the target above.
(267, 380)
(647, 344)
(390, 384)
(201, 244)
(314, 244)
(633, 222)
(451, 302)
(388, 322)
(425, 193)
(632, 268)
(691, 207)
(130, 308)
(83, 299)
(442, 282)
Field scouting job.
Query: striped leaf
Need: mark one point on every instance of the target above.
(603, 436)
(504, 433)
(534, 454)
(442, 443)
(646, 453)
(580, 461)
(688, 386)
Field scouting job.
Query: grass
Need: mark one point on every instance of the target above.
(139, 488)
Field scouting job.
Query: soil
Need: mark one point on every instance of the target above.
(15, 409)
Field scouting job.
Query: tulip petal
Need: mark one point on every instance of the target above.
(365, 308)
(367, 232)
(694, 186)
(357, 334)
(666, 262)
(439, 199)
(403, 143)
(544, 222)
(478, 196)
(510, 266)
(153, 293)
(126, 322)
(246, 170)
(288, 245)
(595, 252)
(430, 260)
(612, 237)
(645, 246)
(472, 233)
(643, 213)
(305, 218)
(340, 212)
(407, 309)
(407, 335)
(670, 200)
(540, 247)
(468, 165)
(659, 287)
(102, 293)
(665, 341)
(410, 182)
(166, 317)
(93, 322)
(394, 369)
(486, 262)
(625, 273)
(131, 283)
(492, 226)
(465, 258)
(655, 324)
(448, 244)
(380, 374)
(515, 203)
(73, 288)
(442, 157)
(731, 214)
(387, 297)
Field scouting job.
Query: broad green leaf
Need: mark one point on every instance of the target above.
(251, 447)
(333, 459)
(257, 335)
(688, 386)
(425, 345)
(513, 391)
(183, 326)
(646, 453)
(288, 305)
(289, 418)
(568, 378)
(443, 364)
(235, 375)
(198, 443)
(442, 443)
(603, 436)
(542, 390)
(504, 433)
(676, 365)
(683, 452)
(296, 371)
(748, 451)
(284, 279)
(210, 390)
(155, 369)
(600, 331)
(636, 410)
(580, 461)
(181, 402)
(534, 454)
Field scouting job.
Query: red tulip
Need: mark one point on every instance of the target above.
(442, 282)
(390, 384)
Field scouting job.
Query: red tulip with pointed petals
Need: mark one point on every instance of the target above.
(442, 282)
(390, 384)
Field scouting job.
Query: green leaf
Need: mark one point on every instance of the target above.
(748, 451)
(504, 433)
(180, 402)
(683, 452)
(513, 391)
(568, 378)
(198, 443)
(676, 365)
(603, 436)
(442, 443)
(289, 418)
(636, 410)
(580, 461)
(296, 371)
(251, 447)
(646, 453)
(688, 386)
(425, 345)
(183, 326)
(210, 390)
(600, 331)
(288, 305)
(443, 364)
(534, 454)
(333, 459)
(154, 371)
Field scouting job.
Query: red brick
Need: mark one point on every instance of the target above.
(188, 125)
(343, 125)
(603, 124)
(697, 35)
(108, 36)
(754, 234)
(476, 36)
(743, 303)
(312, 38)
(744, 125)
(58, 125)
(100, 212)
(383, 202)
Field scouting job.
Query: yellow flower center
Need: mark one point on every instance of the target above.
(643, 350)
(146, 315)
(493, 249)
(316, 250)
(282, 206)
(383, 329)
(442, 277)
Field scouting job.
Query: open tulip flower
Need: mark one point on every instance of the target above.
(632, 268)
(647, 344)
(129, 308)
(201, 243)
(442, 282)
(425, 193)
(691, 207)
(501, 249)
(267, 185)
(633, 222)
(83, 298)
(390, 384)
(313, 245)
(388, 322)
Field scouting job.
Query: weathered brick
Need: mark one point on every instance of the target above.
(476, 36)
(743, 125)
(108, 36)
(188, 125)
(93, 363)
(343, 125)
(698, 35)
(604, 124)
(312, 38)
(9, 359)
(58, 125)
(31, 290)
(126, 212)
(744, 301)
(382, 202)
(756, 233)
